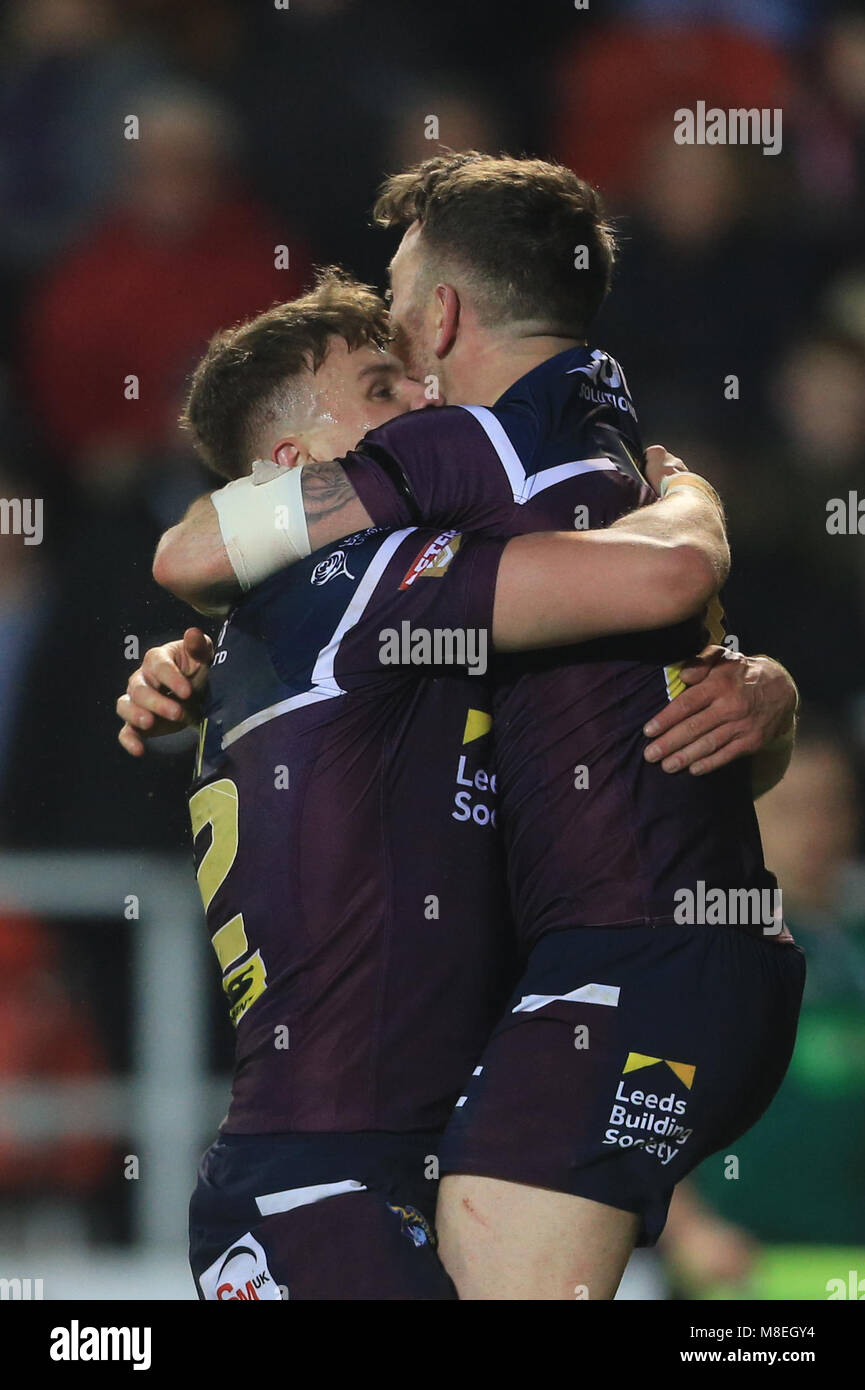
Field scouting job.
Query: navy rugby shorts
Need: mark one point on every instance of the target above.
(316, 1216)
(625, 1057)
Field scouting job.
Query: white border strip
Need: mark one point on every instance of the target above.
(527, 485)
(548, 477)
(498, 437)
(586, 994)
(325, 685)
(273, 1202)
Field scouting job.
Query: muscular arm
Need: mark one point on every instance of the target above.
(743, 710)
(192, 560)
(654, 567)
(330, 504)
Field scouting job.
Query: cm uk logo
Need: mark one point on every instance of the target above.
(651, 1120)
(240, 1275)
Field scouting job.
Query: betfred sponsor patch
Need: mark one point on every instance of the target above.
(433, 560)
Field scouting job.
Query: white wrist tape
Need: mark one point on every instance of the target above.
(262, 523)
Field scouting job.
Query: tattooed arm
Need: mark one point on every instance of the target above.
(330, 503)
(192, 560)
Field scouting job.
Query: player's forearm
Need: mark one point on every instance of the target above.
(331, 507)
(236, 537)
(655, 567)
(554, 589)
(192, 562)
(689, 516)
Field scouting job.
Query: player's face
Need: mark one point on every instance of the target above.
(412, 309)
(352, 393)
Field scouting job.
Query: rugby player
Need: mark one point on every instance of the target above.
(559, 1162)
(358, 919)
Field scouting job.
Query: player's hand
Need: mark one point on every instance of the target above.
(660, 463)
(735, 705)
(176, 669)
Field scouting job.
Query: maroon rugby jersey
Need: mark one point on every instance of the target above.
(594, 835)
(344, 824)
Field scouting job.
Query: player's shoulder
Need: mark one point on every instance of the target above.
(418, 430)
(296, 612)
(346, 559)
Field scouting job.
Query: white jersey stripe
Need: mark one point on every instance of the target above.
(323, 671)
(309, 697)
(547, 477)
(498, 437)
(325, 685)
(527, 485)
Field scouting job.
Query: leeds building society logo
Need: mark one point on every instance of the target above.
(478, 725)
(653, 1115)
(477, 789)
(240, 1275)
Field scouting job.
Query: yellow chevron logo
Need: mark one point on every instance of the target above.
(477, 724)
(637, 1060)
(675, 684)
(713, 622)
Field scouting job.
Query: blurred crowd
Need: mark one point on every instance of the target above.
(154, 156)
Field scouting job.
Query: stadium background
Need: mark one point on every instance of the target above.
(262, 127)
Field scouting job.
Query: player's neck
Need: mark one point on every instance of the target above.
(493, 365)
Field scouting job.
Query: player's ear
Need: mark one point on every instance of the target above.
(447, 319)
(289, 454)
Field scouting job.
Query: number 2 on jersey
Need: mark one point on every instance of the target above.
(216, 805)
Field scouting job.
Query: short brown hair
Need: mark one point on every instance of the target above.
(237, 384)
(514, 225)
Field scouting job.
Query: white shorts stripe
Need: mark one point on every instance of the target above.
(586, 994)
(292, 1197)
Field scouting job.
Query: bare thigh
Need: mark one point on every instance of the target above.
(501, 1240)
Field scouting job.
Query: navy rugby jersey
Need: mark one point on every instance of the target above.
(594, 835)
(344, 825)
